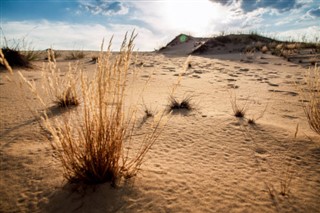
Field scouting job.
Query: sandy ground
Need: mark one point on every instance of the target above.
(204, 161)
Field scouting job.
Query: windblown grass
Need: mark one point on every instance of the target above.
(312, 95)
(61, 86)
(238, 111)
(91, 143)
(175, 105)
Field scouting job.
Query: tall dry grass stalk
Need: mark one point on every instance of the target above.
(4, 62)
(312, 95)
(91, 143)
(61, 87)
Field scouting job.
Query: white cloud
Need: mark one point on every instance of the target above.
(61, 35)
(309, 34)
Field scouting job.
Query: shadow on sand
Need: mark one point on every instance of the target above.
(100, 198)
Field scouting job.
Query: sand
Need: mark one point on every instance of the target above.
(206, 160)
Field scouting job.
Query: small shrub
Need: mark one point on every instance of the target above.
(15, 58)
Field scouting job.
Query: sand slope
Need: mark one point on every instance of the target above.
(204, 161)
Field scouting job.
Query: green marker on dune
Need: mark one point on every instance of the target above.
(183, 38)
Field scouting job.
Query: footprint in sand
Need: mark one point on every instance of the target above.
(231, 79)
(244, 69)
(233, 75)
(196, 76)
(198, 71)
(233, 86)
(260, 150)
(289, 116)
(272, 84)
(285, 92)
(148, 65)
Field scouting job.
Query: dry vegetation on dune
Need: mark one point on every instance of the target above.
(61, 87)
(312, 95)
(20, 53)
(91, 143)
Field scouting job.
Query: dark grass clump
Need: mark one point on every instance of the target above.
(15, 58)
(184, 105)
(251, 121)
(238, 111)
(68, 99)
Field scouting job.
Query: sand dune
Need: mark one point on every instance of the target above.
(204, 161)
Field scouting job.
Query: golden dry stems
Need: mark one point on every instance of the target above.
(4, 62)
(312, 95)
(91, 142)
(61, 87)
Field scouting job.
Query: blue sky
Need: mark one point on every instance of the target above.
(82, 24)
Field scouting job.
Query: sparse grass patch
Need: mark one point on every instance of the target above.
(238, 111)
(52, 54)
(75, 55)
(176, 105)
(67, 98)
(312, 95)
(60, 86)
(96, 148)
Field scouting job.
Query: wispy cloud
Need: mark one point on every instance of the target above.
(251, 5)
(63, 35)
(104, 7)
(315, 12)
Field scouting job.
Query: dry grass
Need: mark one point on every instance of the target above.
(15, 58)
(61, 86)
(238, 111)
(4, 62)
(92, 150)
(93, 142)
(312, 95)
(75, 55)
(176, 105)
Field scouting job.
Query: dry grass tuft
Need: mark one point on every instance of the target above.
(238, 111)
(175, 105)
(61, 86)
(312, 95)
(91, 143)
